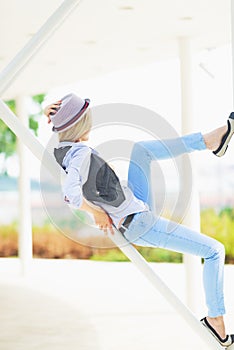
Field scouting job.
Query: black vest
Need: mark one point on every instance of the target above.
(102, 185)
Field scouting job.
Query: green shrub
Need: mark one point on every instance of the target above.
(159, 255)
(221, 227)
(112, 254)
(8, 240)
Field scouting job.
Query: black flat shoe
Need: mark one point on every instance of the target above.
(229, 340)
(220, 151)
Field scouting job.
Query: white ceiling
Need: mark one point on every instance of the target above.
(105, 35)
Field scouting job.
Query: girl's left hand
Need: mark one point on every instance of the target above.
(103, 221)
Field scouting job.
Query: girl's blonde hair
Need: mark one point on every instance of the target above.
(78, 130)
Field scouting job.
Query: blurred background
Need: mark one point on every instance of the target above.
(170, 58)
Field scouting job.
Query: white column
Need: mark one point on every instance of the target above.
(192, 218)
(25, 220)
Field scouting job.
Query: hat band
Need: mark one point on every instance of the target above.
(73, 120)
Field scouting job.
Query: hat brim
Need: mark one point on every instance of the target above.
(74, 120)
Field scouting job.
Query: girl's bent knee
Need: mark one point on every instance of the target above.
(221, 249)
(218, 251)
(139, 152)
(139, 147)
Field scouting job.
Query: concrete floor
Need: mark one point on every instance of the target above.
(87, 305)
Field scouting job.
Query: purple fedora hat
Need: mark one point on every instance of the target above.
(71, 111)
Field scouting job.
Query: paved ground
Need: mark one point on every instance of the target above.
(86, 305)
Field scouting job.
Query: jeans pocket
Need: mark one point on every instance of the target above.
(141, 224)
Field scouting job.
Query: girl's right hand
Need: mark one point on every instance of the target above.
(52, 109)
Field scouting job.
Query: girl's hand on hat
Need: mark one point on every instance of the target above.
(52, 109)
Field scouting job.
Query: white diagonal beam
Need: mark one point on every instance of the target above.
(11, 71)
(182, 310)
(29, 139)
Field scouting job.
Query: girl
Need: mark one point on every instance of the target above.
(91, 185)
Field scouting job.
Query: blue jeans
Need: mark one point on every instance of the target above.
(150, 231)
